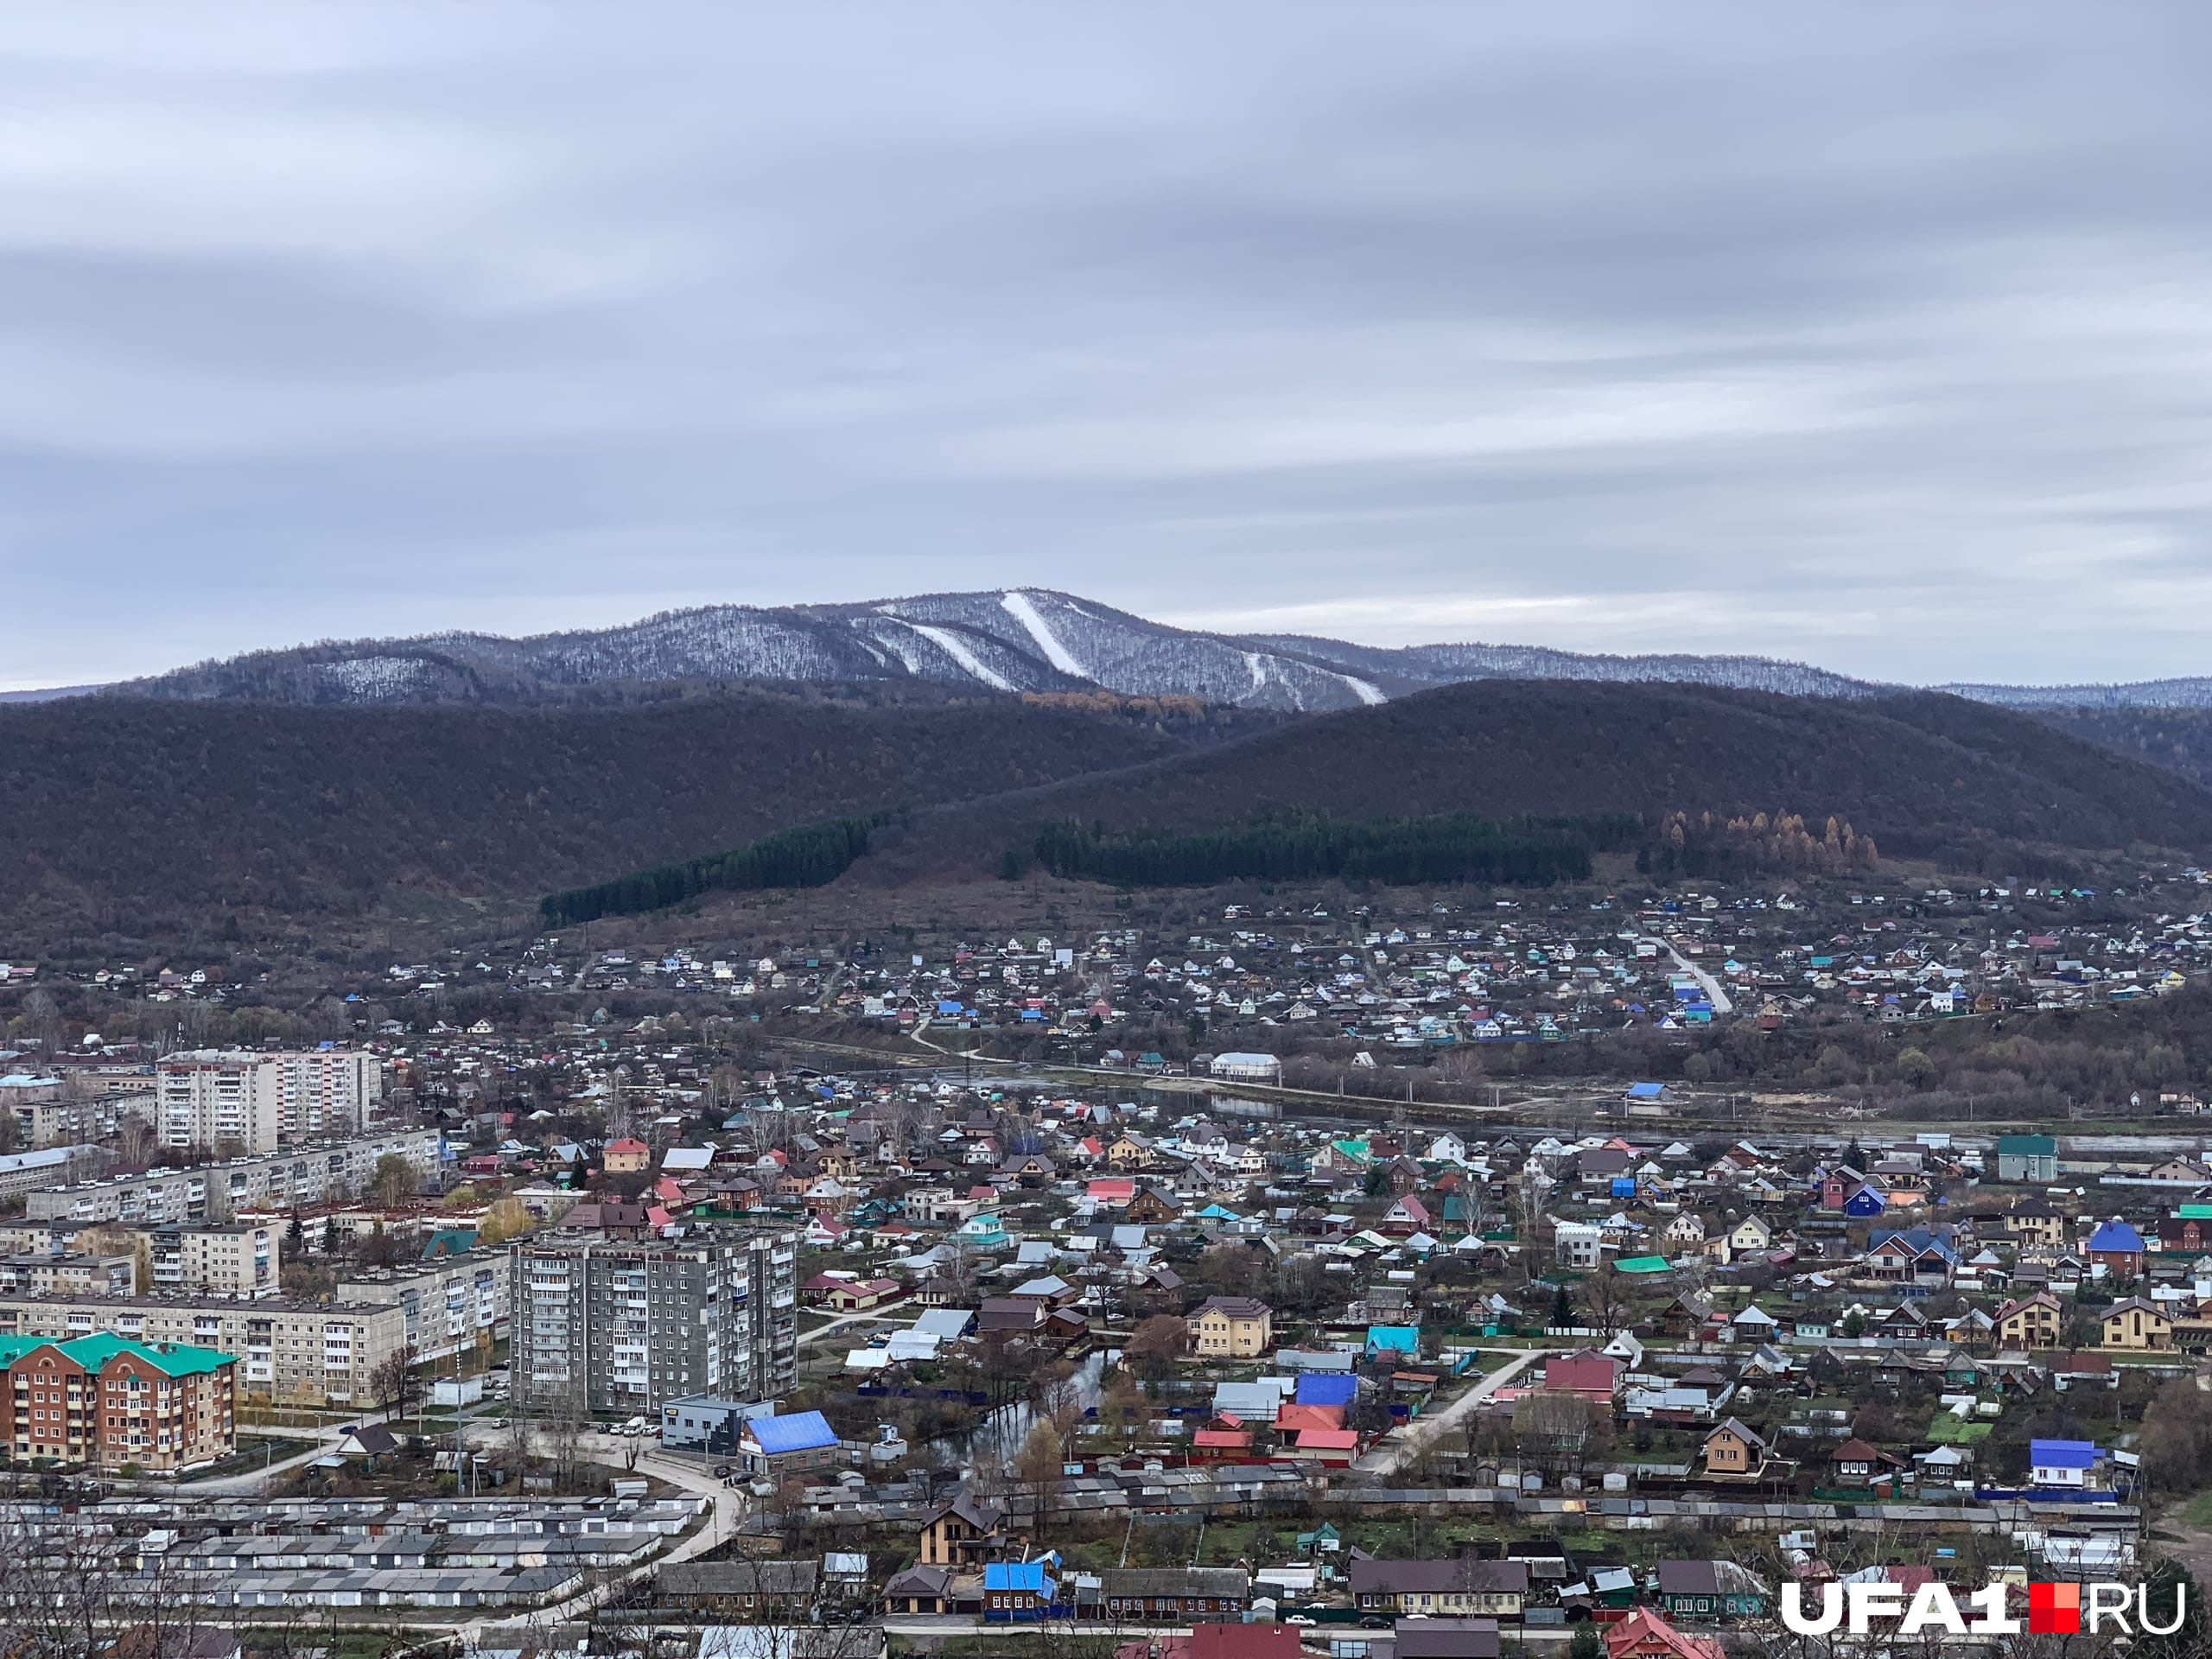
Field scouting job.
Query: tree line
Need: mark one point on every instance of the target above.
(808, 856)
(1301, 845)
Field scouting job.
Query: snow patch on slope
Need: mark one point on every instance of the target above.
(1367, 694)
(953, 647)
(1023, 610)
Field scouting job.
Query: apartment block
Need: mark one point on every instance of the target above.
(329, 1092)
(602, 1323)
(211, 1100)
(253, 1101)
(26, 1174)
(310, 1175)
(454, 1304)
(66, 1118)
(111, 1403)
(57, 1273)
(294, 1353)
(217, 1259)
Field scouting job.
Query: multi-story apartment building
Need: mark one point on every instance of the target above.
(602, 1323)
(207, 1259)
(217, 1259)
(284, 1181)
(212, 1100)
(451, 1304)
(50, 1272)
(328, 1092)
(113, 1403)
(294, 1353)
(25, 1174)
(252, 1101)
(63, 1120)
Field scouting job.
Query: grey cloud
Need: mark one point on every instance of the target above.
(1871, 337)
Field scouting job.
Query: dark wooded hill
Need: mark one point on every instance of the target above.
(1928, 775)
(145, 816)
(121, 814)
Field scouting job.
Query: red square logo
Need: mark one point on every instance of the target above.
(2054, 1610)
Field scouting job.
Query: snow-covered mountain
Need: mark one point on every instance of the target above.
(1018, 640)
(1002, 640)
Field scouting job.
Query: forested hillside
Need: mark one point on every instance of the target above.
(1923, 775)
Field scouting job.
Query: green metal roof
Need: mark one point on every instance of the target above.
(1641, 1264)
(177, 1359)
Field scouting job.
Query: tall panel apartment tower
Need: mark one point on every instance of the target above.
(214, 1098)
(210, 1099)
(601, 1322)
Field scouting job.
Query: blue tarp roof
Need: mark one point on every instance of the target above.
(1326, 1389)
(803, 1431)
(1016, 1575)
(1645, 1091)
(2062, 1454)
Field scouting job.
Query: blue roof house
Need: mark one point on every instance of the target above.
(2063, 1463)
(1016, 1590)
(1865, 1201)
(1327, 1388)
(1393, 1339)
(780, 1445)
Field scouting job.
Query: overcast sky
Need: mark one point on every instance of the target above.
(1884, 342)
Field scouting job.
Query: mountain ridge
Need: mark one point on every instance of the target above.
(1008, 640)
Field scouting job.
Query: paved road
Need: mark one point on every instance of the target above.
(1402, 1446)
(1706, 982)
(254, 1479)
(867, 1316)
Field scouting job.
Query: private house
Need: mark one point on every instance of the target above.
(1645, 1634)
(2065, 1464)
(2029, 1322)
(1857, 1465)
(2136, 1324)
(1749, 1236)
(627, 1157)
(1915, 1257)
(1232, 1327)
(1016, 1590)
(1734, 1449)
(1181, 1594)
(1464, 1587)
(1577, 1244)
(2185, 1234)
(2031, 1221)
(2118, 1247)
(961, 1534)
(742, 1587)
(1585, 1374)
(1710, 1590)
(2027, 1158)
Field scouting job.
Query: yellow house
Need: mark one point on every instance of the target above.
(2030, 1323)
(2033, 1222)
(1131, 1152)
(2137, 1323)
(1734, 1449)
(1232, 1327)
